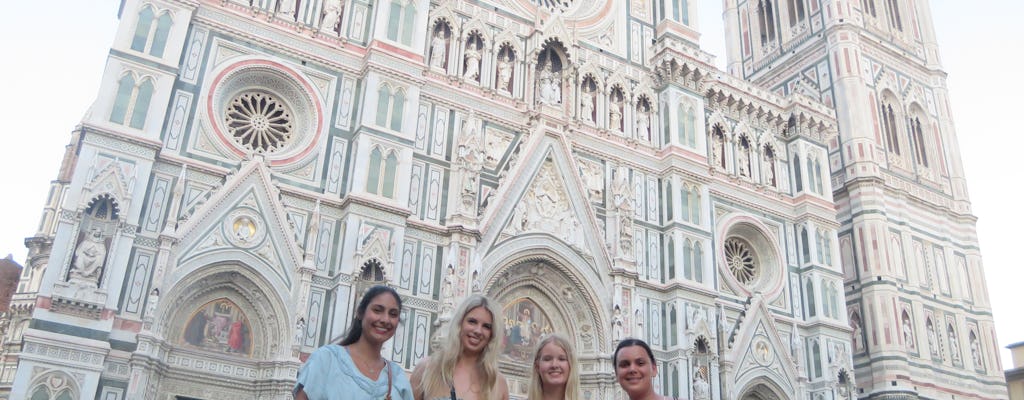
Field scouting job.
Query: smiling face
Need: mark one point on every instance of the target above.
(634, 371)
(380, 319)
(552, 366)
(476, 330)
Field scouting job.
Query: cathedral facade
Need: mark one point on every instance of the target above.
(249, 167)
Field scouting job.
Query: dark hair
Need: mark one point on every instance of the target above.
(355, 329)
(630, 342)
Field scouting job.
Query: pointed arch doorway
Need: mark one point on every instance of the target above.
(761, 391)
(540, 296)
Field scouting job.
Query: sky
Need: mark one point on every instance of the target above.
(54, 54)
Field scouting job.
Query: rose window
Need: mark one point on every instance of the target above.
(741, 260)
(553, 5)
(259, 121)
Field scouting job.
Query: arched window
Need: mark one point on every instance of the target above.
(670, 258)
(889, 127)
(895, 21)
(390, 107)
(383, 100)
(688, 260)
(809, 291)
(681, 130)
(815, 359)
(766, 21)
(401, 21)
(796, 173)
(673, 326)
(818, 239)
(149, 38)
(380, 178)
(680, 12)
(827, 247)
(698, 263)
(397, 108)
(132, 101)
(684, 196)
(695, 205)
(818, 178)
(869, 7)
(917, 140)
(668, 200)
(805, 243)
(796, 12)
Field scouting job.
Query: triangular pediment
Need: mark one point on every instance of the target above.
(547, 196)
(242, 222)
(761, 352)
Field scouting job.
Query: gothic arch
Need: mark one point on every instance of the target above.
(539, 264)
(509, 38)
(763, 388)
(56, 384)
(241, 285)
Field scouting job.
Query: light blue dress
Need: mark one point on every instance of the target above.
(330, 374)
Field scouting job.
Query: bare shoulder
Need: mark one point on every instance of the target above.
(502, 387)
(416, 379)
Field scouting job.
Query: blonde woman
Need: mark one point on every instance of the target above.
(466, 365)
(554, 371)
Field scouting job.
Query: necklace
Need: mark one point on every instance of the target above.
(368, 365)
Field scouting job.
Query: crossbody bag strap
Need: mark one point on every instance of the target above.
(388, 366)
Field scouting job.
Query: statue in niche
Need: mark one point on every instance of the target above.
(448, 290)
(286, 7)
(623, 202)
(718, 153)
(908, 333)
(796, 344)
(587, 106)
(332, 16)
(975, 353)
(89, 257)
(151, 302)
(643, 123)
(472, 61)
(768, 168)
(743, 160)
(504, 72)
(954, 347)
(615, 115)
(932, 339)
(470, 159)
(300, 331)
(550, 85)
(438, 49)
(617, 324)
(856, 335)
(701, 387)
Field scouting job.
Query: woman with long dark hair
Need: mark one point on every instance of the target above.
(354, 368)
(635, 369)
(466, 365)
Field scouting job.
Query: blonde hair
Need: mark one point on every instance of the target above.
(439, 372)
(572, 386)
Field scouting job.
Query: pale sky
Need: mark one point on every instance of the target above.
(54, 54)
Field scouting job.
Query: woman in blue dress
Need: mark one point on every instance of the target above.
(354, 369)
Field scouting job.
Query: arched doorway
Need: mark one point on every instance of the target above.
(540, 296)
(761, 391)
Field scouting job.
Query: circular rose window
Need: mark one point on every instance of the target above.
(742, 261)
(553, 5)
(259, 122)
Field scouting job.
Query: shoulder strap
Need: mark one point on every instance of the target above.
(388, 367)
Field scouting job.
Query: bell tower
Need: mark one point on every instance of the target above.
(915, 289)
